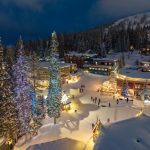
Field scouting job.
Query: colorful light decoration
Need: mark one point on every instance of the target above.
(124, 89)
(54, 91)
(65, 98)
(22, 90)
(34, 101)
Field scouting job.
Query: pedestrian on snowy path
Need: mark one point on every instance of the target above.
(91, 98)
(109, 104)
(95, 99)
(99, 100)
(113, 97)
(117, 101)
(127, 99)
(93, 126)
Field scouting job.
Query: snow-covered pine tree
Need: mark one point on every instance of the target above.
(22, 90)
(55, 90)
(54, 44)
(124, 91)
(8, 113)
(36, 120)
(40, 107)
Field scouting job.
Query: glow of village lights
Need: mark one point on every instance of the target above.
(45, 96)
(64, 99)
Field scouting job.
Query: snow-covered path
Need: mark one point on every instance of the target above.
(77, 125)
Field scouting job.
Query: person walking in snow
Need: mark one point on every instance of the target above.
(117, 101)
(99, 100)
(93, 126)
(127, 99)
(95, 99)
(109, 104)
(113, 97)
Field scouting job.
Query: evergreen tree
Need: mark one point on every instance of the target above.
(55, 90)
(40, 107)
(124, 91)
(37, 115)
(8, 113)
(34, 68)
(54, 44)
(22, 90)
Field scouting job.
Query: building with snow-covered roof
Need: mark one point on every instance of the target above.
(131, 134)
(104, 66)
(80, 58)
(42, 74)
(136, 80)
(135, 72)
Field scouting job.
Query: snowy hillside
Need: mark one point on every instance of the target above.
(132, 22)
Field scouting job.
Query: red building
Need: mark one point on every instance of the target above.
(136, 81)
(75, 60)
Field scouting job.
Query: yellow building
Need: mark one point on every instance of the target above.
(42, 73)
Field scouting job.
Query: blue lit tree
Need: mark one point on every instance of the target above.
(124, 91)
(37, 114)
(55, 89)
(40, 107)
(34, 101)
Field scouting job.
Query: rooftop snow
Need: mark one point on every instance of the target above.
(46, 64)
(104, 59)
(131, 134)
(134, 73)
(61, 144)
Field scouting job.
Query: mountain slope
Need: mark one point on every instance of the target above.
(132, 22)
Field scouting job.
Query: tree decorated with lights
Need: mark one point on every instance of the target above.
(55, 90)
(23, 90)
(41, 107)
(37, 114)
(146, 94)
(8, 112)
(65, 98)
(124, 91)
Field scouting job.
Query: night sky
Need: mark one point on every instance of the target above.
(38, 18)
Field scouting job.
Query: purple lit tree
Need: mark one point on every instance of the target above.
(124, 91)
(23, 91)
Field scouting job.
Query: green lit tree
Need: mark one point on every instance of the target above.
(55, 89)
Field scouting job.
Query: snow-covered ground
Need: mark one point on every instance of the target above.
(78, 125)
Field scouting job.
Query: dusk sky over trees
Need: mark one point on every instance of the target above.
(37, 18)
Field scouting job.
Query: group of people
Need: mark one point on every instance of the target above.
(127, 100)
(82, 88)
(96, 100)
